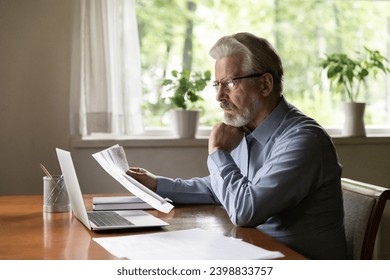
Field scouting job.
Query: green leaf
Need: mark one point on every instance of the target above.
(186, 87)
(348, 73)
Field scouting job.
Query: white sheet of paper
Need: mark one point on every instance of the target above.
(114, 161)
(195, 244)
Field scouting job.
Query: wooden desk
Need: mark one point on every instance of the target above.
(27, 233)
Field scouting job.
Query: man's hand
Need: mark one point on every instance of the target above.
(225, 137)
(144, 177)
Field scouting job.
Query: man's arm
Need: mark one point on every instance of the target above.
(195, 190)
(292, 168)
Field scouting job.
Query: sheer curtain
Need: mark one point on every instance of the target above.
(106, 92)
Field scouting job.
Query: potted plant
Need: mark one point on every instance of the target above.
(185, 88)
(347, 76)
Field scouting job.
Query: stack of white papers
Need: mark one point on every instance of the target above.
(114, 161)
(192, 244)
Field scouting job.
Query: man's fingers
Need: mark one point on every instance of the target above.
(136, 170)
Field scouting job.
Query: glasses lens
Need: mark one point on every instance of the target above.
(216, 85)
(229, 84)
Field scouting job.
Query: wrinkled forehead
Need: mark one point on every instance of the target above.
(228, 66)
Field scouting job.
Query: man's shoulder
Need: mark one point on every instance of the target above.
(297, 123)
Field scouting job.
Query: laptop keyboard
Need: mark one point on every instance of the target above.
(102, 218)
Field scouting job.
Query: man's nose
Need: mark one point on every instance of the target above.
(221, 93)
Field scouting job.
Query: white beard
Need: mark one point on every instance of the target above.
(242, 119)
(238, 120)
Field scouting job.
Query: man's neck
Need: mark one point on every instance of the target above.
(263, 114)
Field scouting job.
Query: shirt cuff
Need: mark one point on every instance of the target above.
(164, 185)
(219, 160)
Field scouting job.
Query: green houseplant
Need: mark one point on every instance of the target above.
(347, 75)
(185, 88)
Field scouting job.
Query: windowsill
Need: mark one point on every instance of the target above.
(138, 142)
(164, 139)
(368, 140)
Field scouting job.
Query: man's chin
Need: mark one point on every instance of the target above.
(234, 120)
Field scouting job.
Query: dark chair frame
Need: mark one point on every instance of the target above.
(379, 196)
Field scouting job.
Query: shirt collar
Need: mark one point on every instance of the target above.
(263, 132)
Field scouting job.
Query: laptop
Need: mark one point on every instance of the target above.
(100, 220)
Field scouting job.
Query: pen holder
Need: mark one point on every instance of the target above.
(55, 195)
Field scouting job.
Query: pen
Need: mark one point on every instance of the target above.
(45, 171)
(53, 190)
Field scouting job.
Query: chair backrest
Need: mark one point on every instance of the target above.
(363, 208)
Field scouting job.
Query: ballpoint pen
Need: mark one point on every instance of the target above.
(55, 187)
(45, 171)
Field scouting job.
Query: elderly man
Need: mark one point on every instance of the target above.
(271, 167)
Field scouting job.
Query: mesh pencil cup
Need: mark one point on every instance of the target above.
(55, 195)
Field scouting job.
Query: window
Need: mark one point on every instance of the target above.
(176, 34)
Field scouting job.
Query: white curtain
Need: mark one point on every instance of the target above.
(106, 92)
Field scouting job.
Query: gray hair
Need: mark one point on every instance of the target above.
(259, 55)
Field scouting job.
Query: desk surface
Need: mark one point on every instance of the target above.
(28, 233)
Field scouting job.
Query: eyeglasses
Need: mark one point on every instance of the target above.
(230, 83)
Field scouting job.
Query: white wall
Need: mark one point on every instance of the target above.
(34, 91)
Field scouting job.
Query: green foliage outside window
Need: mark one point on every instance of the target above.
(177, 34)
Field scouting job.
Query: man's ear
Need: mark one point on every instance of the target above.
(267, 84)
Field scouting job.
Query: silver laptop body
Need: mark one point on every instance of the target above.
(132, 218)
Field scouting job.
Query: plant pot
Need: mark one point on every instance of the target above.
(185, 123)
(354, 119)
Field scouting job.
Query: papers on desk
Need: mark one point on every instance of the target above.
(192, 244)
(114, 161)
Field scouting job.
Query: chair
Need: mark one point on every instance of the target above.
(363, 208)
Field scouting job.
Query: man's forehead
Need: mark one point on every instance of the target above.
(228, 66)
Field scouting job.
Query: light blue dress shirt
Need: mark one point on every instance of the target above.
(283, 178)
